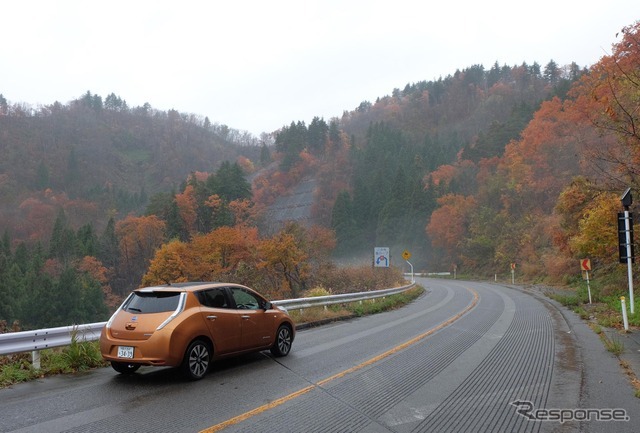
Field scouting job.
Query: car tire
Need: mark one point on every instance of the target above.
(124, 367)
(197, 359)
(284, 338)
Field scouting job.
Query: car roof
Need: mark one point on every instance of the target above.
(185, 287)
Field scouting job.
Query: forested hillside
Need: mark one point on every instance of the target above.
(384, 167)
(477, 170)
(88, 192)
(482, 169)
(97, 158)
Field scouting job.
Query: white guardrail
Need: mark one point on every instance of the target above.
(34, 341)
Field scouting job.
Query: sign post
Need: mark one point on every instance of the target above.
(513, 273)
(585, 265)
(406, 255)
(627, 247)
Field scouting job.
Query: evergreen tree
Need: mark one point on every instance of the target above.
(42, 177)
(11, 293)
(493, 76)
(37, 295)
(5, 244)
(317, 135)
(290, 141)
(93, 306)
(87, 242)
(229, 183)
(391, 218)
(67, 303)
(21, 257)
(334, 132)
(63, 240)
(4, 106)
(175, 226)
(344, 224)
(265, 155)
(551, 72)
(108, 246)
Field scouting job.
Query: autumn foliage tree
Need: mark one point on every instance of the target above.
(279, 266)
(448, 225)
(139, 237)
(608, 98)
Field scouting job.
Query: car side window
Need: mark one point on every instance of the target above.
(213, 298)
(245, 300)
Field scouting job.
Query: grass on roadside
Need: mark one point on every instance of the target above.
(606, 310)
(614, 346)
(79, 356)
(354, 309)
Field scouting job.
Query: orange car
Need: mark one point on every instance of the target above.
(191, 324)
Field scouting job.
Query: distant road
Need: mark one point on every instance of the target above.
(464, 357)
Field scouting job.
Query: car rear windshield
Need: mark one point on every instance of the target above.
(152, 302)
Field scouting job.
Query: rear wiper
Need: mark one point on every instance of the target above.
(135, 309)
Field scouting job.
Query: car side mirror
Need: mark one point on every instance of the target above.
(268, 306)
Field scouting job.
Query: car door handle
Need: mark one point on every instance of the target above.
(245, 317)
(212, 317)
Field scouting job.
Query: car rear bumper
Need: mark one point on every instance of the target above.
(153, 351)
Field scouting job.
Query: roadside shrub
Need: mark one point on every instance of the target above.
(359, 279)
(317, 291)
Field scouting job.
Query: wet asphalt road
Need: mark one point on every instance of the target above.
(466, 356)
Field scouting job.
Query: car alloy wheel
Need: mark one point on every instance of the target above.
(197, 360)
(282, 345)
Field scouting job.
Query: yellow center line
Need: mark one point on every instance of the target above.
(294, 395)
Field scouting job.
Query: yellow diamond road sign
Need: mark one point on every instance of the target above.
(406, 255)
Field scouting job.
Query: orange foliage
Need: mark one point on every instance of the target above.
(200, 176)
(608, 98)
(168, 265)
(321, 241)
(281, 255)
(449, 223)
(53, 268)
(187, 205)
(244, 211)
(38, 214)
(246, 165)
(537, 167)
(36, 220)
(443, 175)
(225, 248)
(209, 257)
(139, 238)
(214, 202)
(597, 234)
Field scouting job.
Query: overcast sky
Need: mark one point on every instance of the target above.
(257, 65)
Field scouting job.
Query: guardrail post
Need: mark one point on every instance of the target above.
(35, 359)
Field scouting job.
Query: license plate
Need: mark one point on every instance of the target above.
(125, 352)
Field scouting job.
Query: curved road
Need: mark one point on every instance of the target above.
(465, 357)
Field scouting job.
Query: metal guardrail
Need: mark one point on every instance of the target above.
(26, 341)
(316, 301)
(34, 341)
